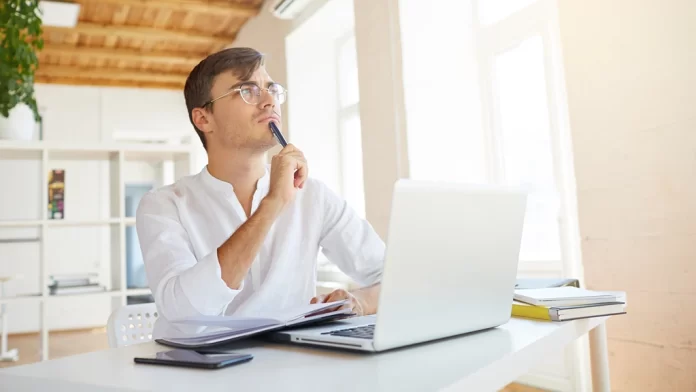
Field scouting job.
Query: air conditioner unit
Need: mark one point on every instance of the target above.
(288, 9)
(58, 13)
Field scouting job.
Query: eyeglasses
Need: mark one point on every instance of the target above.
(251, 93)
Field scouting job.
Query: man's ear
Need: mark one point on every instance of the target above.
(201, 119)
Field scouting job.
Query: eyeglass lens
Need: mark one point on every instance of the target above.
(251, 93)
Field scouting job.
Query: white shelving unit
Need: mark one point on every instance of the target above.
(175, 157)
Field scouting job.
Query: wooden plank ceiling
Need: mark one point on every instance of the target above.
(140, 43)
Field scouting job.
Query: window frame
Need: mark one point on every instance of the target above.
(537, 19)
(344, 113)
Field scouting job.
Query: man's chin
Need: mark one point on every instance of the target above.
(265, 145)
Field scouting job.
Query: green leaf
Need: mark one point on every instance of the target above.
(20, 37)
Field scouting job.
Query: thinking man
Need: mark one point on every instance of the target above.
(239, 237)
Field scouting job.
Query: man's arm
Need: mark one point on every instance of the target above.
(288, 173)
(237, 253)
(352, 244)
(184, 284)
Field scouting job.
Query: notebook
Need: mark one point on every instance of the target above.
(225, 329)
(564, 296)
(566, 313)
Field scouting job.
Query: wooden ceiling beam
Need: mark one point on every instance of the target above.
(205, 6)
(106, 82)
(140, 32)
(186, 59)
(60, 71)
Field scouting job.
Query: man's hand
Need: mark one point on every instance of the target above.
(288, 173)
(355, 304)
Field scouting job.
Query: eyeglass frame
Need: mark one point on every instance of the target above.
(238, 87)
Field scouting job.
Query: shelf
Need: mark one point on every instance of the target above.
(21, 298)
(131, 292)
(74, 223)
(129, 221)
(20, 223)
(110, 293)
(96, 151)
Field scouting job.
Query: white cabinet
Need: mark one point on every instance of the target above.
(90, 237)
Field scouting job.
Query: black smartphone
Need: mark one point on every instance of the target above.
(202, 359)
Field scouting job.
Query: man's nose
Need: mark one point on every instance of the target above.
(266, 100)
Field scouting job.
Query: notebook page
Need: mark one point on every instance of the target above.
(231, 322)
(287, 315)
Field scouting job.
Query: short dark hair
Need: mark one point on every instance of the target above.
(243, 62)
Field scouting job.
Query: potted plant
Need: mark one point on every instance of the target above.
(20, 39)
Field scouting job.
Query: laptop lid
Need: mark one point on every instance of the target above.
(451, 261)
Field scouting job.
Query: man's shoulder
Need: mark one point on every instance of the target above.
(165, 197)
(314, 186)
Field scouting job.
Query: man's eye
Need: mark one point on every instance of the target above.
(250, 90)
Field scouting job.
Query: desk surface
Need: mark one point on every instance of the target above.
(482, 361)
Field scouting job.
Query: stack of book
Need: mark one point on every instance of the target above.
(567, 303)
(74, 284)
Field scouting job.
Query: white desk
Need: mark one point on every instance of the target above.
(483, 361)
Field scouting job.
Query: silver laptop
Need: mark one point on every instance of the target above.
(450, 268)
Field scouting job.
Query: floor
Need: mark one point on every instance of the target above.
(60, 344)
(66, 343)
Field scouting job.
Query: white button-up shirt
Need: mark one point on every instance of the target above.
(180, 227)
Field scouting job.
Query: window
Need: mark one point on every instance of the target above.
(525, 144)
(348, 111)
(483, 106)
(324, 112)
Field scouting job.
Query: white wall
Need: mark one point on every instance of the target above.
(631, 97)
(78, 114)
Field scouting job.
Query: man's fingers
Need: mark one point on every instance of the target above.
(287, 149)
(318, 299)
(301, 173)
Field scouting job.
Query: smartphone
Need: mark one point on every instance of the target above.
(202, 359)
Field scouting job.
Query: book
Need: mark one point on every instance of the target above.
(89, 288)
(56, 194)
(542, 283)
(224, 329)
(563, 296)
(567, 313)
(72, 280)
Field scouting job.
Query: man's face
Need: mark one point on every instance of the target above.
(234, 123)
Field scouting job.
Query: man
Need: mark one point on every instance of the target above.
(239, 237)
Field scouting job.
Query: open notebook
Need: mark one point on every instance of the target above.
(224, 329)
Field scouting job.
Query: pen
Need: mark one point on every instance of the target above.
(277, 134)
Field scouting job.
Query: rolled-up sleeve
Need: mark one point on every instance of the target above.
(349, 241)
(182, 285)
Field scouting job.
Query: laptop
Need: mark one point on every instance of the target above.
(450, 268)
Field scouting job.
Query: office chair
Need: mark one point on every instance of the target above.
(131, 324)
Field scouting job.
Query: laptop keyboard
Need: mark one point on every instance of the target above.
(364, 332)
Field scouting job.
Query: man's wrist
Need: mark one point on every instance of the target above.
(271, 206)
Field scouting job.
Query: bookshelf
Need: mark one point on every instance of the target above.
(111, 159)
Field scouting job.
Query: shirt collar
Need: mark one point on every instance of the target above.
(226, 188)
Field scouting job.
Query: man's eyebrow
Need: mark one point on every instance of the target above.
(249, 81)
